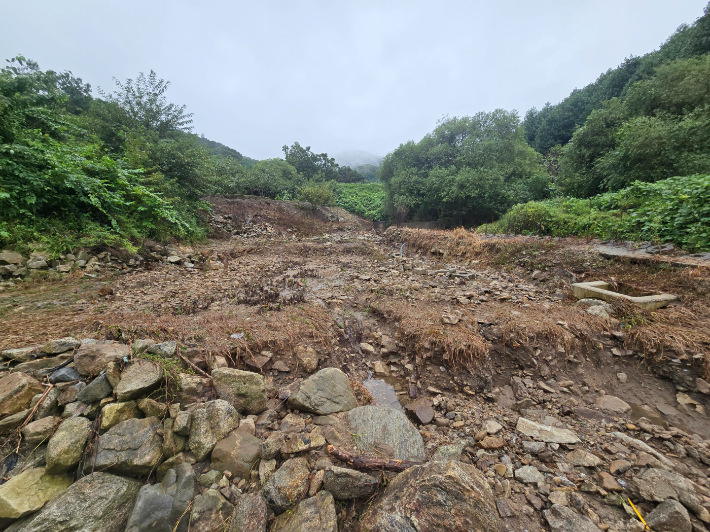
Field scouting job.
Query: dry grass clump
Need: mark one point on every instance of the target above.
(457, 346)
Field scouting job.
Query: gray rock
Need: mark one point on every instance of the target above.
(345, 483)
(545, 433)
(211, 422)
(96, 390)
(529, 475)
(613, 404)
(580, 457)
(139, 379)
(40, 430)
(657, 485)
(325, 392)
(244, 390)
(114, 413)
(288, 484)
(61, 345)
(96, 502)
(10, 257)
(48, 406)
(29, 491)
(669, 516)
(251, 513)
(66, 445)
(11, 423)
(91, 358)
(133, 447)
(22, 354)
(564, 519)
(239, 453)
(16, 392)
(65, 374)
(194, 389)
(307, 358)
(172, 443)
(209, 478)
(210, 512)
(165, 349)
(37, 264)
(159, 507)
(313, 514)
(451, 496)
(385, 431)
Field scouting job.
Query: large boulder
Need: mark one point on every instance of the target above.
(139, 379)
(325, 392)
(16, 391)
(66, 445)
(133, 447)
(451, 496)
(238, 453)
(29, 491)
(244, 390)
(655, 484)
(315, 513)
(159, 507)
(669, 516)
(60, 345)
(211, 422)
(387, 432)
(91, 358)
(194, 389)
(96, 502)
(251, 513)
(210, 512)
(288, 484)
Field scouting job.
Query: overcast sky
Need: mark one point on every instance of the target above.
(340, 75)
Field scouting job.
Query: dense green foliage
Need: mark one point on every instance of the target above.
(468, 170)
(364, 199)
(673, 210)
(555, 124)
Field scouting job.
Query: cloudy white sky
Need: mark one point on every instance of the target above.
(340, 75)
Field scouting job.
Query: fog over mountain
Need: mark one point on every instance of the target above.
(355, 158)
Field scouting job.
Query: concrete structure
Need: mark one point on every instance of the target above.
(601, 290)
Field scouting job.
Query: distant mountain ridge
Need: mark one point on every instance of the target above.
(355, 158)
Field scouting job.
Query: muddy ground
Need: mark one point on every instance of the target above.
(481, 327)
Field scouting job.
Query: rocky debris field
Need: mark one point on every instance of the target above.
(300, 372)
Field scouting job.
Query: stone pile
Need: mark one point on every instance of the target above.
(151, 450)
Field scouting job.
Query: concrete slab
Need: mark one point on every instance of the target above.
(602, 290)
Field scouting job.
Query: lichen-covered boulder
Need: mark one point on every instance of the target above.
(133, 447)
(244, 390)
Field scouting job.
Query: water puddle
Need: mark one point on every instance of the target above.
(388, 391)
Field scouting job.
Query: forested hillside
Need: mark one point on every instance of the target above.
(644, 122)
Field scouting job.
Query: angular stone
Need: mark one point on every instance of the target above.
(612, 404)
(182, 423)
(251, 513)
(669, 516)
(133, 447)
(151, 407)
(272, 445)
(619, 466)
(325, 392)
(545, 433)
(194, 389)
(315, 513)
(657, 485)
(66, 445)
(307, 358)
(298, 443)
(65, 374)
(288, 484)
(529, 475)
(608, 482)
(40, 430)
(21, 354)
(11, 423)
(164, 349)
(159, 507)
(564, 519)
(139, 379)
(96, 390)
(29, 491)
(210, 512)
(10, 257)
(492, 427)
(16, 392)
(345, 483)
(91, 359)
(580, 457)
(450, 496)
(420, 410)
(48, 406)
(492, 442)
(114, 413)
(211, 422)
(703, 386)
(244, 390)
(239, 453)
(173, 462)
(387, 432)
(61, 345)
(96, 502)
(172, 443)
